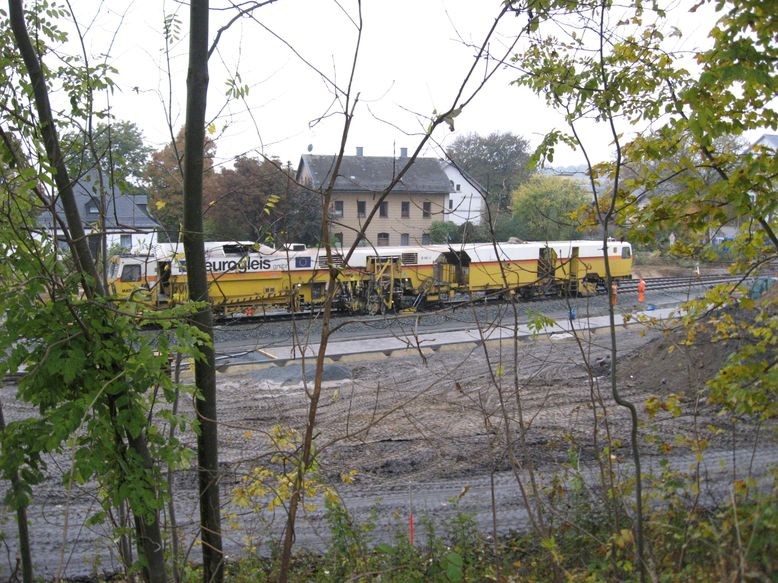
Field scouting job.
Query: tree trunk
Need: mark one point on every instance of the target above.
(80, 248)
(151, 539)
(205, 369)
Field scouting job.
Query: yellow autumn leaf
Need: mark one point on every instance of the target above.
(623, 538)
(160, 204)
(348, 477)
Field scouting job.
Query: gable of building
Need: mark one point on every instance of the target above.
(768, 141)
(122, 211)
(466, 202)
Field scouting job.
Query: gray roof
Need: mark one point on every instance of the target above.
(374, 173)
(768, 140)
(123, 212)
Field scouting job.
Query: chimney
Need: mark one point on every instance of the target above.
(359, 150)
(403, 152)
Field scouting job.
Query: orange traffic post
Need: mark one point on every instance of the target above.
(614, 293)
(641, 291)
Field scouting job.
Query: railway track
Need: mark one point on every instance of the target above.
(238, 339)
(239, 343)
(625, 286)
(670, 283)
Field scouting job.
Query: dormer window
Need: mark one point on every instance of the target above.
(92, 209)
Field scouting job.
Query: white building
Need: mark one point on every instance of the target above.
(466, 200)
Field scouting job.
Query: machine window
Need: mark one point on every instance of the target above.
(131, 273)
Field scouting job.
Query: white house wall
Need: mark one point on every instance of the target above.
(141, 242)
(465, 201)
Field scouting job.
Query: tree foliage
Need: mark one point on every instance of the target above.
(99, 384)
(544, 208)
(502, 228)
(163, 178)
(257, 200)
(499, 162)
(668, 117)
(444, 232)
(94, 380)
(653, 182)
(116, 149)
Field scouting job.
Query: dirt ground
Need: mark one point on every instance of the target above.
(460, 413)
(437, 426)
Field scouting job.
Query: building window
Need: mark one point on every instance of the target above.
(405, 210)
(450, 204)
(459, 187)
(337, 209)
(125, 241)
(383, 210)
(426, 210)
(361, 212)
(405, 239)
(92, 209)
(425, 239)
(383, 240)
(337, 239)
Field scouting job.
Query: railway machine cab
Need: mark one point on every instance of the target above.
(451, 275)
(133, 277)
(581, 265)
(621, 259)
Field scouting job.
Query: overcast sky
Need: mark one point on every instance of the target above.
(413, 57)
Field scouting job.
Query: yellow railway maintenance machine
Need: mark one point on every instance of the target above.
(248, 280)
(243, 280)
